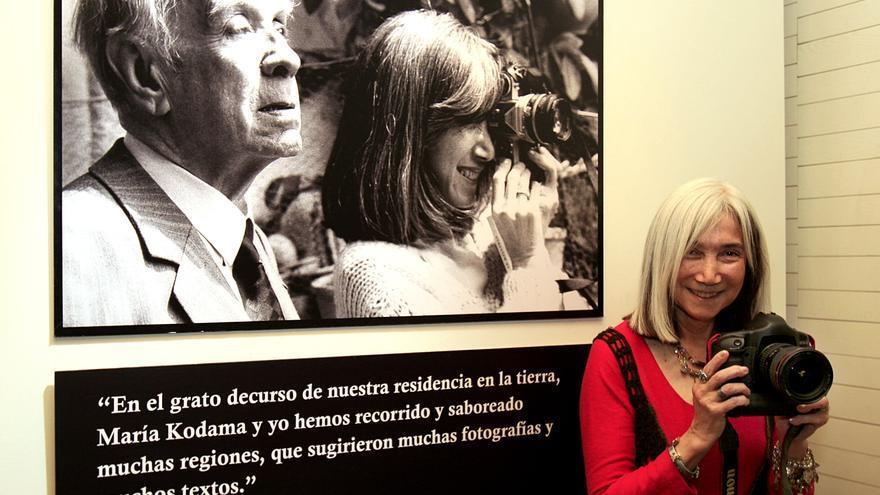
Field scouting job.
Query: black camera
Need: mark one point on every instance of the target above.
(785, 369)
(527, 116)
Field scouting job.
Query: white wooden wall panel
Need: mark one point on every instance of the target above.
(791, 288)
(790, 20)
(831, 484)
(833, 228)
(790, 15)
(791, 141)
(839, 211)
(791, 231)
(846, 306)
(791, 258)
(849, 435)
(846, 274)
(837, 52)
(845, 146)
(839, 179)
(791, 171)
(853, 466)
(855, 404)
(791, 202)
(812, 7)
(791, 50)
(791, 314)
(845, 19)
(860, 240)
(857, 371)
(839, 115)
(791, 111)
(856, 80)
(842, 337)
(791, 80)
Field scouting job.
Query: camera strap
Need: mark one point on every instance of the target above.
(502, 248)
(792, 432)
(729, 443)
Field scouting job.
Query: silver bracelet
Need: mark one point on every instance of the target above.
(801, 473)
(679, 464)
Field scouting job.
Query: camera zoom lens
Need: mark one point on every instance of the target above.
(802, 374)
(551, 118)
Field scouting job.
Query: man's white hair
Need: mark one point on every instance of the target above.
(147, 23)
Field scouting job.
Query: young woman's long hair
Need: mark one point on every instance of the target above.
(420, 73)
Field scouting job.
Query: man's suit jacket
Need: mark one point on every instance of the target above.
(131, 257)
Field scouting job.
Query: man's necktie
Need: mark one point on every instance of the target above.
(259, 300)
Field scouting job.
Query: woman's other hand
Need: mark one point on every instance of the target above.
(549, 191)
(713, 399)
(812, 417)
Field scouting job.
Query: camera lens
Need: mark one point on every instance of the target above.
(801, 374)
(551, 118)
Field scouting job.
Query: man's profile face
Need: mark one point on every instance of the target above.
(233, 94)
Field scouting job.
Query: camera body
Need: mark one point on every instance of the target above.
(785, 369)
(526, 116)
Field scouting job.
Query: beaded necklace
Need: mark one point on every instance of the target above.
(689, 366)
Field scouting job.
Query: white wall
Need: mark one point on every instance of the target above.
(833, 241)
(692, 88)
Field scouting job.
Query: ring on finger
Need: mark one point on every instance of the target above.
(722, 395)
(702, 376)
(522, 195)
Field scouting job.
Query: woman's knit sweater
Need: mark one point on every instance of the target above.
(374, 278)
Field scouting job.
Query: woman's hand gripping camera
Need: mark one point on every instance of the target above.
(717, 393)
(522, 209)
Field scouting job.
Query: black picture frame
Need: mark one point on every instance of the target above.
(61, 165)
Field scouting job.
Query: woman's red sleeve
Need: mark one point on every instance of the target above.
(608, 436)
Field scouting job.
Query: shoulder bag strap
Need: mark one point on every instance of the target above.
(649, 437)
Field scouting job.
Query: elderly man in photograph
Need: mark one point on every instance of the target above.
(157, 231)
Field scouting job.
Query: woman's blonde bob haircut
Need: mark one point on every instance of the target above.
(689, 212)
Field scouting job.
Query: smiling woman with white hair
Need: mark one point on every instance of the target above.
(652, 409)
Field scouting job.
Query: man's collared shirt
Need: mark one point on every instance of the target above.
(218, 221)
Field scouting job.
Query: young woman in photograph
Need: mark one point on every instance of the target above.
(652, 409)
(413, 170)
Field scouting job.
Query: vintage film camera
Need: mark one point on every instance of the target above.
(784, 367)
(527, 116)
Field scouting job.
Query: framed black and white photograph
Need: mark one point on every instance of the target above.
(267, 164)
